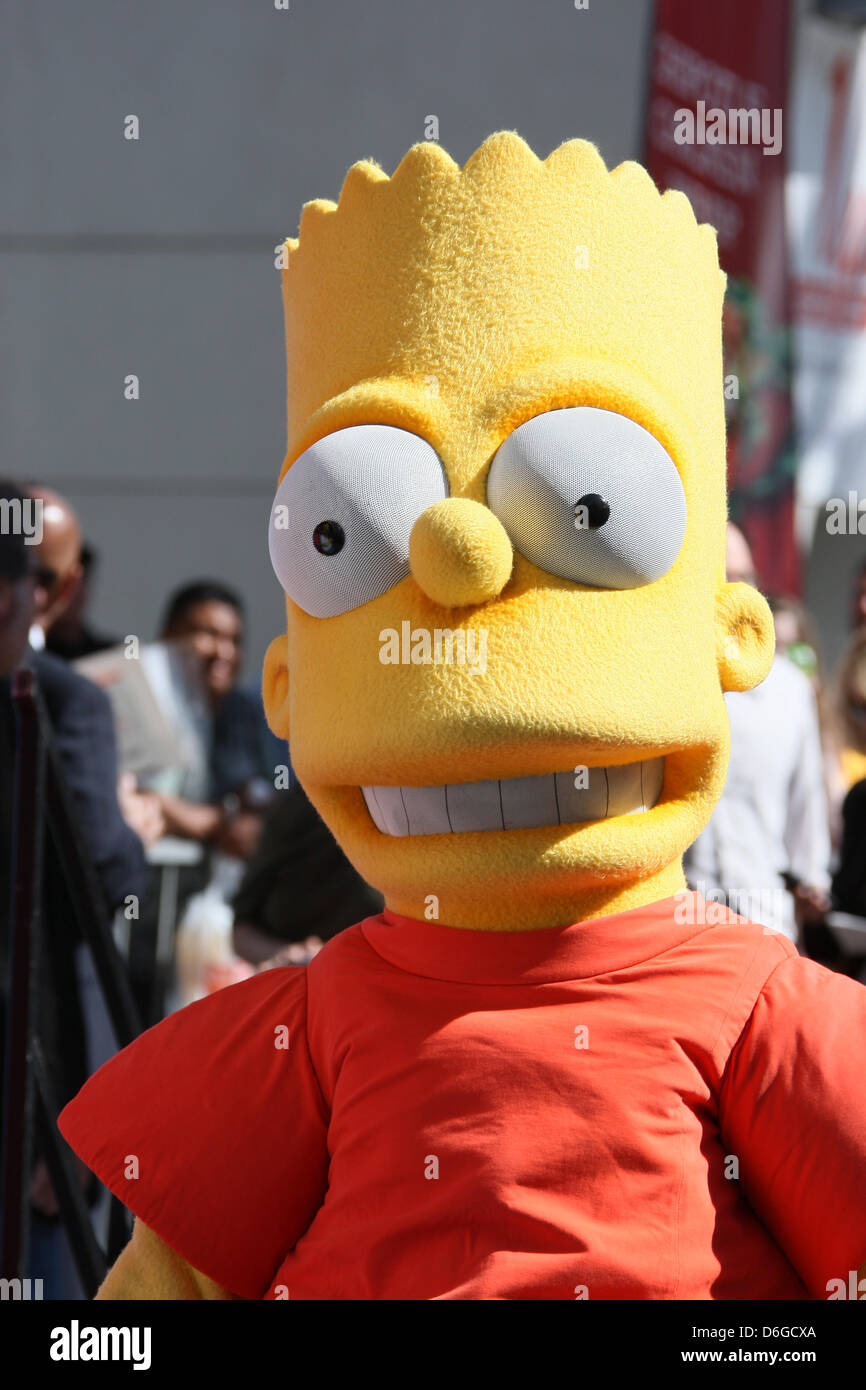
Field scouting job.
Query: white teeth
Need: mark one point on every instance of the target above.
(426, 810)
(473, 806)
(518, 803)
(528, 801)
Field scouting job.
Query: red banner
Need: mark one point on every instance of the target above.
(715, 130)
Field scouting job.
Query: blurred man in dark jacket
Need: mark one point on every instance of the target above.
(83, 734)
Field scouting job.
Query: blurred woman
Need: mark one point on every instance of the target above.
(797, 638)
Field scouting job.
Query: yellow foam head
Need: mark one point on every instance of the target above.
(459, 305)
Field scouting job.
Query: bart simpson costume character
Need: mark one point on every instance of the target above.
(545, 1071)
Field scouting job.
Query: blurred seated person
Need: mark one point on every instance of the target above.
(299, 889)
(208, 617)
(69, 635)
(849, 881)
(849, 890)
(851, 711)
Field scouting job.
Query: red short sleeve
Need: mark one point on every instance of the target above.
(211, 1127)
(793, 1111)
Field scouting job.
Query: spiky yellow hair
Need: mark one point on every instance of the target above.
(457, 276)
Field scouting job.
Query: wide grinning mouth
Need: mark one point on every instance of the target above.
(518, 803)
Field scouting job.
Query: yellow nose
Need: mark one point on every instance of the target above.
(460, 553)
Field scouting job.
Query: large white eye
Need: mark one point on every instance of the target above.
(340, 523)
(591, 496)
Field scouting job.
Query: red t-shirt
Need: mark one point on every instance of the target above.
(637, 1106)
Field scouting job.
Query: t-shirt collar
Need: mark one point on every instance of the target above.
(593, 947)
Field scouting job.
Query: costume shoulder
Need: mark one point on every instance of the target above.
(212, 1129)
(793, 1111)
(729, 961)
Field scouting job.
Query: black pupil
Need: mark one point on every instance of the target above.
(593, 507)
(329, 537)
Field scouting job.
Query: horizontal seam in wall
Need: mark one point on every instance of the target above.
(180, 486)
(136, 243)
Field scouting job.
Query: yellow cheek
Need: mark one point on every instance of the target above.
(568, 673)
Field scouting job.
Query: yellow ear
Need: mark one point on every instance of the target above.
(275, 686)
(745, 637)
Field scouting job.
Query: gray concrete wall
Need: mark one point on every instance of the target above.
(155, 257)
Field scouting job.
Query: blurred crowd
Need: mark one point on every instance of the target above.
(787, 842)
